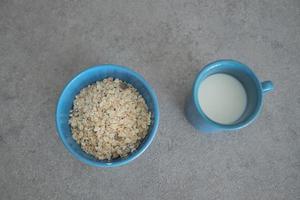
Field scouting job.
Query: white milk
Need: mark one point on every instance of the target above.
(222, 98)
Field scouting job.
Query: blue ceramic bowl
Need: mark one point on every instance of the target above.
(89, 76)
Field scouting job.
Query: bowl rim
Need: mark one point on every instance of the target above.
(138, 151)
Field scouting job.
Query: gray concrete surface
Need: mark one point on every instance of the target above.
(44, 43)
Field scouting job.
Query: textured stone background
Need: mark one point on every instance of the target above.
(44, 43)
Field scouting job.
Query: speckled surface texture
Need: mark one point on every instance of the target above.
(44, 43)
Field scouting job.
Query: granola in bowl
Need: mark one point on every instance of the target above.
(109, 119)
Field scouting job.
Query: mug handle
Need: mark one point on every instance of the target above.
(267, 86)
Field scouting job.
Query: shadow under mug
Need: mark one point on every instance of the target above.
(253, 87)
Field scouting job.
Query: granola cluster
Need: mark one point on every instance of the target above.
(109, 119)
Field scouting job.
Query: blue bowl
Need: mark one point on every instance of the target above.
(89, 76)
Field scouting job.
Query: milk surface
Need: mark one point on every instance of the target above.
(222, 98)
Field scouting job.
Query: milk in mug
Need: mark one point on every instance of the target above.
(222, 98)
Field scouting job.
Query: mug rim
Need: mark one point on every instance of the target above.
(196, 85)
(130, 157)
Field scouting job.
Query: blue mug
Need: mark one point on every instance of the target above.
(253, 87)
